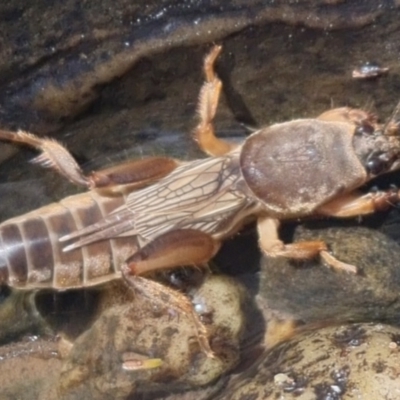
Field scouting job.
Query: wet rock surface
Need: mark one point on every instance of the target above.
(121, 81)
(28, 366)
(139, 347)
(337, 362)
(18, 315)
(136, 346)
(55, 57)
(312, 292)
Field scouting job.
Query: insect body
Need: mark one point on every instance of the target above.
(159, 213)
(32, 257)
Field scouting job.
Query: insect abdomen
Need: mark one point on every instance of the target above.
(32, 257)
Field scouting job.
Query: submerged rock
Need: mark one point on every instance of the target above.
(337, 362)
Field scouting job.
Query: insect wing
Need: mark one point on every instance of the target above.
(196, 195)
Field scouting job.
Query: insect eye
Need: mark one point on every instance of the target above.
(364, 128)
(377, 163)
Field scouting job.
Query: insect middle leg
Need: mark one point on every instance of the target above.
(208, 101)
(272, 246)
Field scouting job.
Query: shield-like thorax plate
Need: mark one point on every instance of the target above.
(296, 166)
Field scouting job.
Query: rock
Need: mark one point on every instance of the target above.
(147, 346)
(311, 292)
(337, 362)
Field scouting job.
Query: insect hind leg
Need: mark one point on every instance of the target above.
(131, 174)
(173, 249)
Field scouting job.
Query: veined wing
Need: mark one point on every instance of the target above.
(186, 186)
(197, 195)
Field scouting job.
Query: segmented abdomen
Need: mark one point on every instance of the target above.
(31, 255)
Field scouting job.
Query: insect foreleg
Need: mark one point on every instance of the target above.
(354, 204)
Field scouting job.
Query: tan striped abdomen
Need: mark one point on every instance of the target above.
(31, 255)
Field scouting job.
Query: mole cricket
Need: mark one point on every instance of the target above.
(159, 213)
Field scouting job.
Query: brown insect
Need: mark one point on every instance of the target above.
(159, 213)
